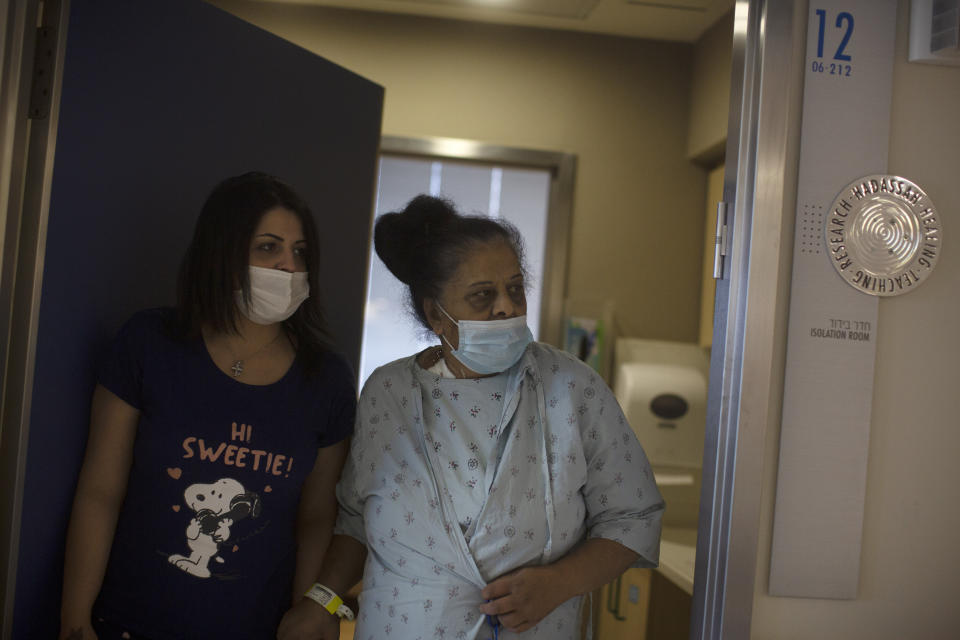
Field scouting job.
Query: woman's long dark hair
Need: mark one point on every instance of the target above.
(217, 261)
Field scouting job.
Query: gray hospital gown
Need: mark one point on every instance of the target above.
(452, 483)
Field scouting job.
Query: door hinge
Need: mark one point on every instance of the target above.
(44, 62)
(720, 241)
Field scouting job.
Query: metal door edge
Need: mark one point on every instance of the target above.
(30, 175)
(745, 385)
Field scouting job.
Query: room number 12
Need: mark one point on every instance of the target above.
(844, 22)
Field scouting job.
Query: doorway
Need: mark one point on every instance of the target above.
(516, 194)
(528, 188)
(716, 567)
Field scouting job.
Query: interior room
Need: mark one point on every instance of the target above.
(641, 102)
(645, 118)
(633, 99)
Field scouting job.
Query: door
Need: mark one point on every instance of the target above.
(751, 274)
(161, 100)
(913, 434)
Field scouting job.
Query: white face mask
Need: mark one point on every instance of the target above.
(490, 346)
(274, 295)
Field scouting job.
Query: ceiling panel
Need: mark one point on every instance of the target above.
(577, 9)
(688, 5)
(676, 20)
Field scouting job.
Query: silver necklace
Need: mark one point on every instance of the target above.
(237, 366)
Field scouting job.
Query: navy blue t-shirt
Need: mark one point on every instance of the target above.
(205, 544)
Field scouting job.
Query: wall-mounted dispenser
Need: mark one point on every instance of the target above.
(662, 388)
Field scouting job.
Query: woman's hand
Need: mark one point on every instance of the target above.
(307, 620)
(524, 597)
(77, 632)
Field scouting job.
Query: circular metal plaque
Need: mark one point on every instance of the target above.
(883, 235)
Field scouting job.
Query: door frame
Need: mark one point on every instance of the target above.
(562, 168)
(746, 370)
(26, 171)
(759, 188)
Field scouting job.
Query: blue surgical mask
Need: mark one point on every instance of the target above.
(490, 346)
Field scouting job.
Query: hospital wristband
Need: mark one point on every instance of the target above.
(326, 598)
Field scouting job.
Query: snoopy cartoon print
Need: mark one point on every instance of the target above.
(217, 507)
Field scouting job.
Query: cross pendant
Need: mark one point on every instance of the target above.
(237, 368)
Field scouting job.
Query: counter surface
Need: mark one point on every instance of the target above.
(678, 549)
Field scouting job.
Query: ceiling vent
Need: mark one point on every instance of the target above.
(935, 31)
(575, 9)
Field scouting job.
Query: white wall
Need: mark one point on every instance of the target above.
(621, 105)
(910, 555)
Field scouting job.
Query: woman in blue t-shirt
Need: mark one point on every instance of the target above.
(218, 431)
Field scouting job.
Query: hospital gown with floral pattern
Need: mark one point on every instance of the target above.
(452, 483)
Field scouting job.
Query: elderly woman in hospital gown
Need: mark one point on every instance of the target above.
(492, 480)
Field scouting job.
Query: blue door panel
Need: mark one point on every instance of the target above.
(162, 99)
